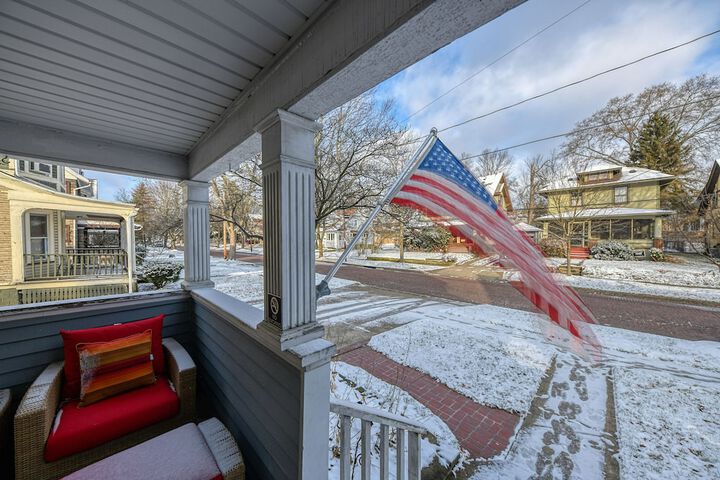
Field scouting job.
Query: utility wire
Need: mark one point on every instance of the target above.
(562, 87)
(577, 82)
(516, 47)
(591, 127)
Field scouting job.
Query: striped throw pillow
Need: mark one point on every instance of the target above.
(110, 368)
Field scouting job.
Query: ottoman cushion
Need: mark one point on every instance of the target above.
(180, 454)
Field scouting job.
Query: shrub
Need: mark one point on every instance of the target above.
(427, 239)
(160, 273)
(612, 250)
(657, 255)
(140, 253)
(553, 247)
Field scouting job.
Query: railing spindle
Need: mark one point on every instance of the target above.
(401, 458)
(366, 438)
(345, 430)
(413, 456)
(384, 452)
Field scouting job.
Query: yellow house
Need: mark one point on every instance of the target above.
(607, 202)
(57, 241)
(709, 207)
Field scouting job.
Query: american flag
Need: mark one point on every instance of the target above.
(443, 190)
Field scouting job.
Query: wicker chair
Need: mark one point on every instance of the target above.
(36, 413)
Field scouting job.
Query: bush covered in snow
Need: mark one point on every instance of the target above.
(553, 247)
(612, 250)
(427, 239)
(657, 255)
(160, 273)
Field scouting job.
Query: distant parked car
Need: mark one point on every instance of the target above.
(388, 246)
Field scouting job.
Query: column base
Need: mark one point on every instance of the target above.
(197, 285)
(295, 336)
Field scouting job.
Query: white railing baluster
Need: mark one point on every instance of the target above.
(408, 435)
(384, 452)
(345, 430)
(413, 456)
(366, 436)
(401, 458)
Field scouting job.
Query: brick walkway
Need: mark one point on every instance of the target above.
(483, 431)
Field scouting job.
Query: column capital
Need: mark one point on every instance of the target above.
(288, 118)
(195, 191)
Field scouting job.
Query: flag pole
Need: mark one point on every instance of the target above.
(322, 289)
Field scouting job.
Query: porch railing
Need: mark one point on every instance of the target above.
(407, 434)
(77, 263)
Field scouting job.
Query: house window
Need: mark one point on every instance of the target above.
(621, 194)
(642, 229)
(39, 234)
(576, 199)
(621, 229)
(600, 229)
(44, 168)
(331, 237)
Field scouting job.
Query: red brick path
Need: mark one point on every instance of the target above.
(483, 431)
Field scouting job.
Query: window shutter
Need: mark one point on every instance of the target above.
(21, 165)
(54, 171)
(32, 165)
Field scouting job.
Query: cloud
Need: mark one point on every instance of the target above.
(601, 35)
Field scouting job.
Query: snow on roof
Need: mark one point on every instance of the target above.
(526, 227)
(491, 182)
(600, 167)
(627, 175)
(613, 212)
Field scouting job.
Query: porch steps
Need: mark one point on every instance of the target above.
(579, 253)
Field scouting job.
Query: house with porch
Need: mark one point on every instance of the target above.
(60, 242)
(185, 91)
(709, 209)
(607, 201)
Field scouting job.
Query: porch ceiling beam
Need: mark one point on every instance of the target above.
(73, 149)
(350, 47)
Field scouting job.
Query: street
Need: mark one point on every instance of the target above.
(659, 316)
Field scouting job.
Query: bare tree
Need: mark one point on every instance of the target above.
(352, 153)
(234, 200)
(535, 174)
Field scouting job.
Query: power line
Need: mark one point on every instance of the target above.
(516, 47)
(562, 87)
(582, 80)
(591, 127)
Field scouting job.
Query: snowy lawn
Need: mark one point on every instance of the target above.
(354, 384)
(241, 280)
(495, 370)
(640, 288)
(668, 426)
(690, 273)
(356, 259)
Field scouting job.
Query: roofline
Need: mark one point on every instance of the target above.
(712, 180)
(608, 184)
(665, 213)
(66, 195)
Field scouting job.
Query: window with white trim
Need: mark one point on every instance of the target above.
(38, 234)
(621, 194)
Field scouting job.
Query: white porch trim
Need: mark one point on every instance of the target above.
(196, 230)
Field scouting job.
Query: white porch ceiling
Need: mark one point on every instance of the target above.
(155, 74)
(173, 88)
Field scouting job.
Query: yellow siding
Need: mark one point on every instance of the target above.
(639, 196)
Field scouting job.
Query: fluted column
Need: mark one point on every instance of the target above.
(196, 229)
(288, 168)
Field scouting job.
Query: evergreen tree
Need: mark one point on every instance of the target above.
(660, 147)
(144, 201)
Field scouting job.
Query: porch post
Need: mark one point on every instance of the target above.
(288, 169)
(130, 249)
(196, 230)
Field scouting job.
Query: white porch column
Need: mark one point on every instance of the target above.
(288, 168)
(130, 249)
(196, 229)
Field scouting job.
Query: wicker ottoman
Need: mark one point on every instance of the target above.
(205, 451)
(4, 417)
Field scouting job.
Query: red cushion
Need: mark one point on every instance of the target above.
(71, 387)
(82, 428)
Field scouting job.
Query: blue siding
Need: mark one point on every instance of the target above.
(253, 391)
(30, 340)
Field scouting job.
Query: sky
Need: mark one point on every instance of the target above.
(598, 36)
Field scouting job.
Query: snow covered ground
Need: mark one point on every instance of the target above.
(497, 371)
(640, 288)
(373, 392)
(241, 280)
(692, 272)
(356, 259)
